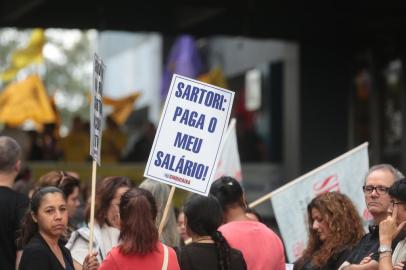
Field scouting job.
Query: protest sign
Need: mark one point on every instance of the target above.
(96, 109)
(344, 174)
(229, 163)
(187, 143)
(96, 118)
(289, 266)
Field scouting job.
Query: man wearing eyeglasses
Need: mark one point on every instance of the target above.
(391, 227)
(379, 179)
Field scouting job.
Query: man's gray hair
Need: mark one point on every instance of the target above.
(10, 152)
(397, 175)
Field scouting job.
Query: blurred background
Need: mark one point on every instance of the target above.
(311, 82)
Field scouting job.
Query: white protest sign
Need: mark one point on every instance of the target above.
(229, 163)
(289, 266)
(187, 143)
(344, 174)
(96, 109)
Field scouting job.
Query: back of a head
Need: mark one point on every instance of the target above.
(60, 179)
(10, 153)
(160, 192)
(204, 214)
(138, 211)
(398, 190)
(228, 192)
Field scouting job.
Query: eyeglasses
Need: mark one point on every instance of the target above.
(381, 190)
(395, 203)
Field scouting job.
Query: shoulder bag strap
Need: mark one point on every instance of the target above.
(166, 258)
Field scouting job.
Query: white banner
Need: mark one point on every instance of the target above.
(345, 174)
(189, 135)
(96, 109)
(229, 163)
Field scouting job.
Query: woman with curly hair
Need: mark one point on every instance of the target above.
(334, 229)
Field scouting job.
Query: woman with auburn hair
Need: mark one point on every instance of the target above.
(334, 229)
(107, 221)
(139, 246)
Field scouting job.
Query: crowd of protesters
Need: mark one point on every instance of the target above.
(40, 230)
(117, 145)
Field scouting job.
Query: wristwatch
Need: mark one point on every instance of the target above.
(384, 248)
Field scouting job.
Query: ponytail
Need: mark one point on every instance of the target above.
(223, 250)
(204, 215)
(138, 234)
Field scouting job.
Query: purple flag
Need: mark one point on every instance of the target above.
(184, 59)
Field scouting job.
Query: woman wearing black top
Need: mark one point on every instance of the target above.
(41, 232)
(334, 229)
(209, 249)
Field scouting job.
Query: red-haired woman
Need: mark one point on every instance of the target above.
(139, 243)
(334, 229)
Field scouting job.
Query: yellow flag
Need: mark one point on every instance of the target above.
(26, 100)
(122, 108)
(214, 77)
(21, 58)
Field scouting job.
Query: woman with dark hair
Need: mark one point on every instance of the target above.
(139, 246)
(391, 227)
(42, 228)
(70, 186)
(209, 249)
(334, 229)
(107, 221)
(243, 233)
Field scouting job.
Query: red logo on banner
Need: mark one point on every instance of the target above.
(329, 184)
(298, 248)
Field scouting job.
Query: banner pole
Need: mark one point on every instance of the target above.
(92, 205)
(166, 211)
(260, 200)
